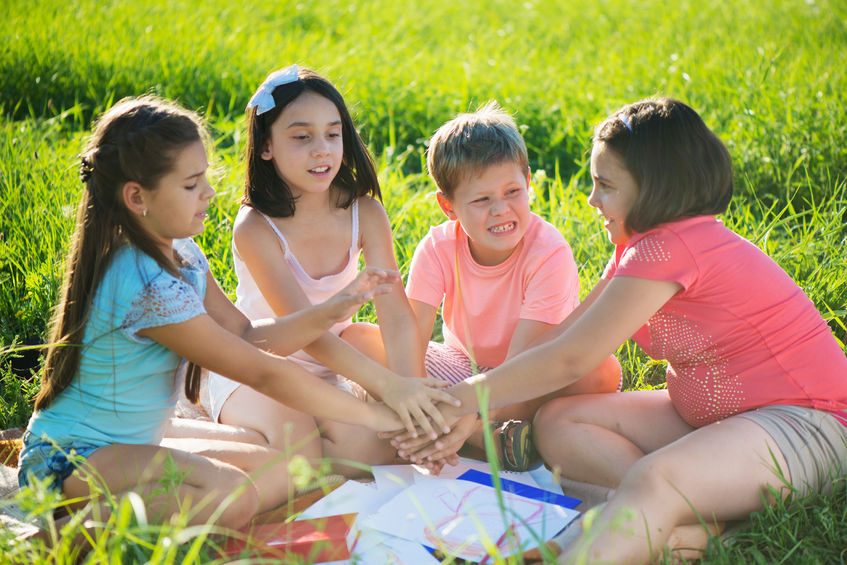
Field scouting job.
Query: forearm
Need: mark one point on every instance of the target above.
(524, 377)
(398, 325)
(287, 334)
(403, 349)
(295, 387)
(344, 359)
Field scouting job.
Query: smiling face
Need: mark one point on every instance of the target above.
(493, 209)
(613, 192)
(306, 144)
(176, 207)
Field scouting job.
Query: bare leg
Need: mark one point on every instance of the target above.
(266, 467)
(204, 488)
(716, 473)
(277, 426)
(202, 429)
(366, 338)
(604, 379)
(597, 438)
(345, 443)
(290, 433)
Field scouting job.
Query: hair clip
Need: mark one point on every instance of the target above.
(263, 99)
(626, 121)
(86, 169)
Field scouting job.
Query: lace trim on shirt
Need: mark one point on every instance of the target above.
(164, 300)
(192, 256)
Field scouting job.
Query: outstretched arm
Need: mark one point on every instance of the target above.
(615, 313)
(260, 250)
(287, 334)
(205, 342)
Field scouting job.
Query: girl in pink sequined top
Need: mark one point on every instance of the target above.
(756, 383)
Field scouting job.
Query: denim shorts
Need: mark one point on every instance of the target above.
(45, 460)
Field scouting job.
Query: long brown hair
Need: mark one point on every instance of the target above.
(138, 140)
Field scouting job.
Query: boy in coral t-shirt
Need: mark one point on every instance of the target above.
(503, 275)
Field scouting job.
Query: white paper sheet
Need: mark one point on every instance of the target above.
(465, 519)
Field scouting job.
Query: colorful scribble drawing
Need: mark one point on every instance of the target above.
(474, 515)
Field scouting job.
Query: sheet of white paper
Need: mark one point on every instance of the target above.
(393, 477)
(351, 497)
(373, 546)
(538, 477)
(461, 518)
(545, 480)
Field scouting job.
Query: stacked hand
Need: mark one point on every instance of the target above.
(430, 451)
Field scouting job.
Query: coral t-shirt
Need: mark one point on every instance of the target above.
(538, 282)
(740, 334)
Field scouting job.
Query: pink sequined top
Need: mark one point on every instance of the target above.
(740, 334)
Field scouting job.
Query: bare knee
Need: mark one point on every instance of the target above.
(552, 425)
(238, 498)
(654, 477)
(605, 378)
(556, 413)
(366, 338)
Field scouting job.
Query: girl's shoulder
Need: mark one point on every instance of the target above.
(373, 218)
(689, 230)
(370, 207)
(130, 267)
(250, 224)
(131, 273)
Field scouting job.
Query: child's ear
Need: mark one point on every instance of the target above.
(133, 196)
(266, 154)
(445, 205)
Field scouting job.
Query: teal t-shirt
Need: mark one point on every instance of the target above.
(124, 390)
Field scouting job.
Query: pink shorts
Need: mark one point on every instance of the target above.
(446, 363)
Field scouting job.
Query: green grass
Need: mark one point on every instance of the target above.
(767, 77)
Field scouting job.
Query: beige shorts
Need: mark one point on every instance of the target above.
(813, 442)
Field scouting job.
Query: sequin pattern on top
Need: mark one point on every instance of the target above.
(739, 334)
(698, 380)
(651, 250)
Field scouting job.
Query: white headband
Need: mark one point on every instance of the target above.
(263, 98)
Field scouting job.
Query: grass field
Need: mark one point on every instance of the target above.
(767, 77)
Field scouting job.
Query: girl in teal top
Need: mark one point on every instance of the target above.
(138, 299)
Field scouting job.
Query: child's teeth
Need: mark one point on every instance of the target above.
(502, 228)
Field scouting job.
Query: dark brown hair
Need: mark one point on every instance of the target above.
(681, 168)
(138, 140)
(265, 191)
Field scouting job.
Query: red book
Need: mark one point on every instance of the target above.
(321, 539)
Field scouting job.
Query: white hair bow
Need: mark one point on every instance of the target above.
(263, 98)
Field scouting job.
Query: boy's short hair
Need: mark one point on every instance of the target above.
(471, 142)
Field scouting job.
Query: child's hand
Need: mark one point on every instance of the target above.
(412, 397)
(383, 418)
(368, 283)
(445, 447)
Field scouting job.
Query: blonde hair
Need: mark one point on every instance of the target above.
(471, 142)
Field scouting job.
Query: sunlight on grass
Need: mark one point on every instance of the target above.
(767, 77)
